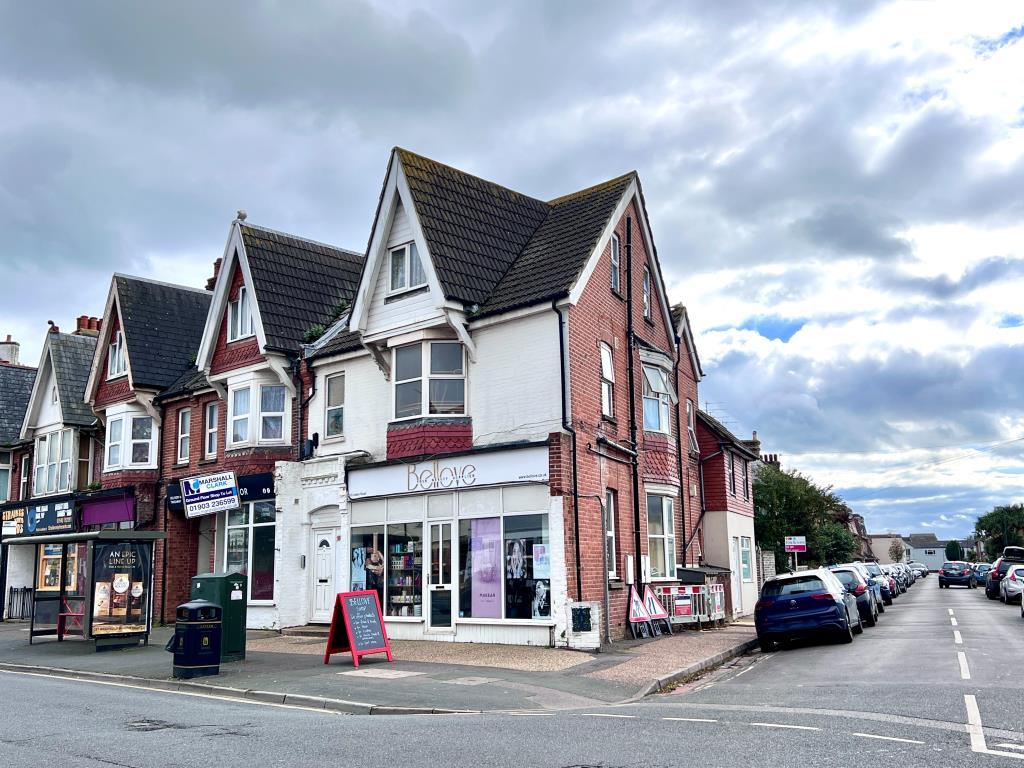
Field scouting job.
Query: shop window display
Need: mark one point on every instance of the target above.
(368, 563)
(527, 567)
(480, 568)
(251, 546)
(404, 570)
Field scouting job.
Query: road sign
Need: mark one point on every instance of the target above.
(796, 543)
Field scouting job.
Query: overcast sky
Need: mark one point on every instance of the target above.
(836, 189)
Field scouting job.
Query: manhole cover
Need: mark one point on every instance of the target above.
(381, 674)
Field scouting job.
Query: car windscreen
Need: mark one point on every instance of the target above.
(873, 569)
(849, 578)
(794, 586)
(948, 566)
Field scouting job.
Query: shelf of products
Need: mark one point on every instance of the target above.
(405, 578)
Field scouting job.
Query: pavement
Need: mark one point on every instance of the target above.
(900, 695)
(425, 676)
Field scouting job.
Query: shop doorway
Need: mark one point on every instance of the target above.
(324, 543)
(439, 589)
(736, 567)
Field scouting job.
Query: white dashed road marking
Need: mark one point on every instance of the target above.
(791, 727)
(950, 611)
(965, 672)
(886, 738)
(690, 719)
(957, 637)
(1008, 745)
(952, 621)
(974, 724)
(605, 714)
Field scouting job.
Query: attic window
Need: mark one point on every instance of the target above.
(115, 357)
(239, 316)
(405, 270)
(647, 293)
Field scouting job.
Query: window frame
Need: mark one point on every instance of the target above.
(108, 465)
(249, 525)
(5, 488)
(234, 417)
(64, 440)
(240, 319)
(282, 414)
(691, 426)
(117, 365)
(328, 408)
(746, 479)
(607, 380)
(425, 379)
(664, 400)
(615, 278)
(25, 481)
(210, 429)
(611, 514)
(731, 470)
(184, 438)
(746, 567)
(667, 537)
(409, 251)
(646, 289)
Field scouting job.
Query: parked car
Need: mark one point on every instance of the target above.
(902, 574)
(919, 569)
(862, 569)
(995, 575)
(894, 586)
(981, 571)
(1011, 586)
(885, 590)
(956, 572)
(804, 604)
(854, 581)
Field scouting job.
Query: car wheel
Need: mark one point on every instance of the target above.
(766, 643)
(872, 619)
(885, 601)
(847, 635)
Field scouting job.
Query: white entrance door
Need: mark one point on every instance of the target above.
(737, 576)
(323, 574)
(440, 595)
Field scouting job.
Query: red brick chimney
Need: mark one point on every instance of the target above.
(87, 326)
(216, 271)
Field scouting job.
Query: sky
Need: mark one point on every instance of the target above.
(836, 189)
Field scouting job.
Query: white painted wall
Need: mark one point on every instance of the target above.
(367, 407)
(719, 530)
(20, 566)
(46, 415)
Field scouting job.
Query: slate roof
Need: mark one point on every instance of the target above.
(497, 248)
(345, 341)
(72, 360)
(299, 283)
(925, 541)
(722, 431)
(162, 325)
(15, 390)
(192, 380)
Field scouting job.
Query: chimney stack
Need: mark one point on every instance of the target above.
(216, 271)
(54, 328)
(9, 351)
(87, 326)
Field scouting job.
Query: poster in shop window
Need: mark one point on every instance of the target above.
(526, 596)
(485, 551)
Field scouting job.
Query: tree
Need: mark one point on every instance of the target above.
(954, 551)
(896, 551)
(834, 543)
(1001, 528)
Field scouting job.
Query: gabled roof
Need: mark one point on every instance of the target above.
(724, 434)
(162, 325)
(15, 390)
(299, 283)
(71, 358)
(925, 541)
(192, 380)
(681, 322)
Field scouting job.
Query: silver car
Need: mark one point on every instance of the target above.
(1012, 585)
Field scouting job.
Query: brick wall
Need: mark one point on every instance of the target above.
(114, 390)
(718, 495)
(236, 354)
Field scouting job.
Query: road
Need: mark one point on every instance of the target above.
(897, 696)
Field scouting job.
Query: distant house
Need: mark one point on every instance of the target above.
(881, 544)
(925, 548)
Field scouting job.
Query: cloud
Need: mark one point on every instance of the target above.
(988, 271)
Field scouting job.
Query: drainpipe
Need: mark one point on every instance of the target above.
(301, 402)
(683, 499)
(166, 512)
(631, 370)
(567, 426)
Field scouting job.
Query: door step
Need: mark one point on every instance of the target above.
(310, 630)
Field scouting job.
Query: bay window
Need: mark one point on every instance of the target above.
(184, 431)
(442, 392)
(272, 412)
(250, 545)
(115, 356)
(210, 444)
(115, 435)
(335, 417)
(405, 269)
(53, 462)
(240, 316)
(130, 442)
(607, 382)
(142, 439)
(657, 397)
(661, 540)
(240, 415)
(615, 277)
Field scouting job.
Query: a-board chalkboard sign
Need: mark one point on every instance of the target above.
(357, 627)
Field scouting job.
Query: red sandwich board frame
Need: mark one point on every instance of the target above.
(339, 640)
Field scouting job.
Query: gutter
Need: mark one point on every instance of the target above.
(567, 426)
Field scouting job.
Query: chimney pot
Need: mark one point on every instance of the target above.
(216, 271)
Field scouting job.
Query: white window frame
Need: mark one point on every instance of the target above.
(116, 364)
(732, 472)
(107, 463)
(647, 293)
(664, 399)
(234, 417)
(329, 408)
(127, 443)
(666, 540)
(249, 525)
(746, 568)
(5, 488)
(616, 271)
(211, 414)
(240, 321)
(425, 378)
(26, 478)
(63, 467)
(691, 426)
(409, 252)
(184, 434)
(282, 414)
(607, 381)
(611, 509)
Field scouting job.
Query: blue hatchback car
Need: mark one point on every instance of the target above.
(805, 604)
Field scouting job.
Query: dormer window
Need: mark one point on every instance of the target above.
(240, 316)
(405, 270)
(115, 356)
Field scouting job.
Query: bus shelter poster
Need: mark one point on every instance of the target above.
(121, 578)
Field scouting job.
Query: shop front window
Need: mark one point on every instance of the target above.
(405, 570)
(250, 546)
(480, 568)
(368, 563)
(527, 567)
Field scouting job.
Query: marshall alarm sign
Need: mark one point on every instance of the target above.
(210, 494)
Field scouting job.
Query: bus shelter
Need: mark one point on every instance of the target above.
(97, 585)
